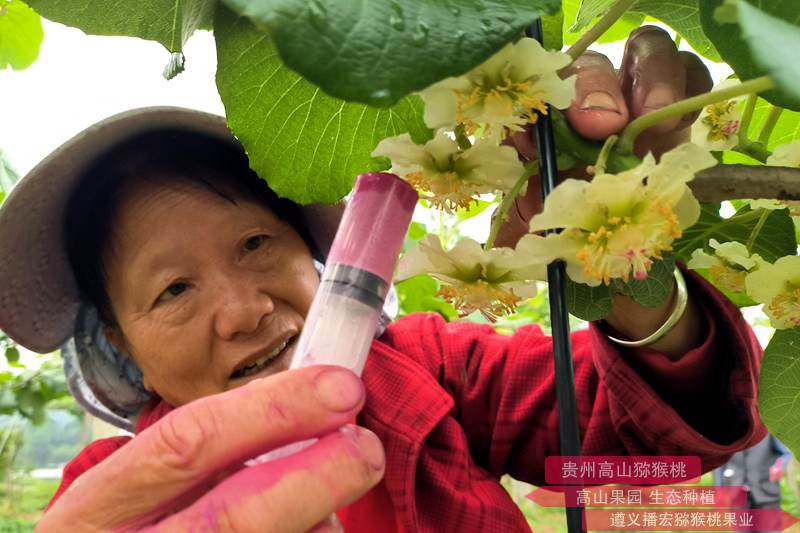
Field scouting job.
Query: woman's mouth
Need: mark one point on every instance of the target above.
(279, 354)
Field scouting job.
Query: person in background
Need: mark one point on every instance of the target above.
(759, 470)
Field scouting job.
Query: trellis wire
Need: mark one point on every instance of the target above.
(568, 429)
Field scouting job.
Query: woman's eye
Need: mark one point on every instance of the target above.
(254, 242)
(172, 291)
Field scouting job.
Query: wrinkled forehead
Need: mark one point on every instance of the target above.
(179, 215)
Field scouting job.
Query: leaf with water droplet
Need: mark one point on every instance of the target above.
(365, 48)
(397, 23)
(170, 22)
(309, 146)
(420, 36)
(317, 15)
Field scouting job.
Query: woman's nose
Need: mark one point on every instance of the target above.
(242, 306)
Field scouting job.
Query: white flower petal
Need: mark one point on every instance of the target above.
(440, 102)
(559, 208)
(687, 210)
(733, 253)
(441, 149)
(676, 168)
(427, 257)
(498, 166)
(528, 58)
(555, 91)
(523, 289)
(770, 280)
(785, 155)
(701, 259)
(405, 154)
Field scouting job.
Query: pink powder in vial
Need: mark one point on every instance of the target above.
(374, 224)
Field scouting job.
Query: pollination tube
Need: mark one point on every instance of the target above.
(568, 429)
(344, 314)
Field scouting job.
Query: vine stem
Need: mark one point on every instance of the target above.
(751, 149)
(765, 213)
(594, 33)
(769, 124)
(747, 116)
(680, 108)
(508, 201)
(600, 165)
(730, 182)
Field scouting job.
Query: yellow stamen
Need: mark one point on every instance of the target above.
(718, 121)
(787, 305)
(489, 299)
(517, 103)
(607, 255)
(729, 278)
(446, 190)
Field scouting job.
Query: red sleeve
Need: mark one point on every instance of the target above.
(636, 402)
(92, 455)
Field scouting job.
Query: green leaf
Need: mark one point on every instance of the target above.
(552, 31)
(779, 388)
(654, 290)
(416, 231)
(307, 145)
(418, 294)
(20, 35)
(170, 22)
(776, 238)
(730, 157)
(475, 208)
(763, 42)
(381, 50)
(773, 42)
(593, 303)
(12, 354)
(683, 16)
(787, 128)
(618, 31)
(588, 303)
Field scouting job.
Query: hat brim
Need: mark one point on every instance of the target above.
(39, 298)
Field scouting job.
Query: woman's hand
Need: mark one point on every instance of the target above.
(186, 472)
(653, 74)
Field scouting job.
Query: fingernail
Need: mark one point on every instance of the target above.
(338, 389)
(659, 96)
(600, 100)
(368, 443)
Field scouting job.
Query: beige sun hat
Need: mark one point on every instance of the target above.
(39, 299)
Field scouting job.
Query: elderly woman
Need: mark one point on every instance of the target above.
(176, 277)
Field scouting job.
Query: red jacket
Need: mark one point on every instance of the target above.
(458, 405)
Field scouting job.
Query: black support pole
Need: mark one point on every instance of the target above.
(568, 429)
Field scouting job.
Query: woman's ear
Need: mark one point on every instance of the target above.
(117, 340)
(115, 337)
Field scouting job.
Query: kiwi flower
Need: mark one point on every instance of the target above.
(729, 265)
(447, 176)
(777, 286)
(492, 282)
(503, 93)
(615, 224)
(785, 155)
(717, 127)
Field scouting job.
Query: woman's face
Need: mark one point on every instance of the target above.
(208, 294)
